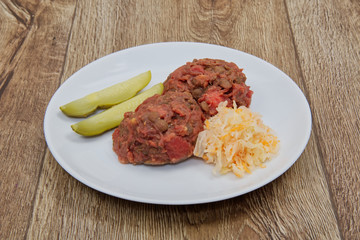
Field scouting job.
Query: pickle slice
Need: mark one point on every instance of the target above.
(107, 97)
(112, 117)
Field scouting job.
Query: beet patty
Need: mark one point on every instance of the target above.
(211, 81)
(163, 129)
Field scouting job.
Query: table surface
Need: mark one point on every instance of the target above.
(316, 43)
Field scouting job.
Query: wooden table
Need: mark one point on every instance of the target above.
(317, 43)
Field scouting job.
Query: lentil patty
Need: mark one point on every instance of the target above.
(163, 129)
(211, 81)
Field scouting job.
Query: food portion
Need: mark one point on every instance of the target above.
(162, 130)
(236, 140)
(112, 117)
(202, 110)
(211, 81)
(107, 97)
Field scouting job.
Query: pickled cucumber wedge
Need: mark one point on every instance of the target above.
(107, 97)
(112, 117)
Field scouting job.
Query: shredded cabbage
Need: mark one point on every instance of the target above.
(236, 140)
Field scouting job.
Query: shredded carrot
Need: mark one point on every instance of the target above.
(236, 140)
(207, 123)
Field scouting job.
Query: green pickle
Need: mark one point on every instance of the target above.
(107, 97)
(112, 117)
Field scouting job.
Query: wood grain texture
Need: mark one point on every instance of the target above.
(316, 43)
(297, 205)
(32, 52)
(15, 22)
(327, 40)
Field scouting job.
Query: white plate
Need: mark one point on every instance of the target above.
(92, 161)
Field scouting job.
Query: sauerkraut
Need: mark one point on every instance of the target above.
(237, 140)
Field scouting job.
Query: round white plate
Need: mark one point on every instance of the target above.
(92, 161)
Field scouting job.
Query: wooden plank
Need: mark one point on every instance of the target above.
(296, 205)
(11, 27)
(327, 40)
(32, 48)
